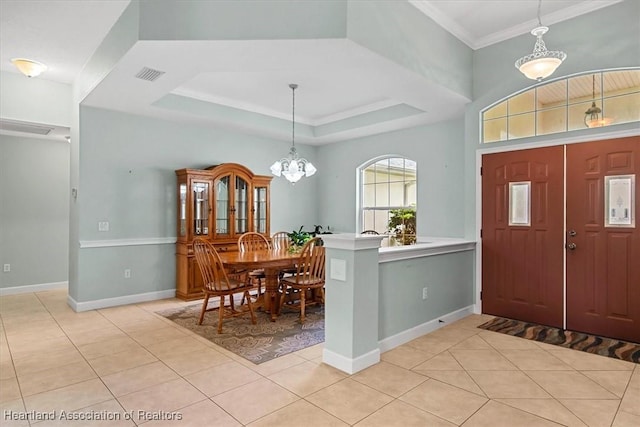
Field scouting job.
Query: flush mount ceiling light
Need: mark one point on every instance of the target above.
(592, 116)
(29, 67)
(293, 167)
(542, 62)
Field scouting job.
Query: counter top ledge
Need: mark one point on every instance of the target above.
(426, 246)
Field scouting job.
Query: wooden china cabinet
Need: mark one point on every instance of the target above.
(218, 203)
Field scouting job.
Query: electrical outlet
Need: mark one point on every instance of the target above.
(127, 273)
(103, 225)
(7, 268)
(424, 293)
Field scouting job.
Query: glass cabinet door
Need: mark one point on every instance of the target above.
(201, 207)
(222, 205)
(241, 206)
(182, 219)
(260, 209)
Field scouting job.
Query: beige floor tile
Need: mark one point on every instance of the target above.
(472, 343)
(69, 398)
(82, 325)
(122, 361)
(583, 361)
(433, 345)
(204, 413)
(441, 362)
(508, 384)
(45, 360)
(451, 333)
(7, 370)
(308, 377)
(297, 414)
(12, 413)
(312, 352)
(535, 360)
(173, 347)
(594, 413)
(51, 379)
(460, 379)
(349, 400)
(138, 378)
(406, 356)
(272, 366)
(400, 414)
(614, 381)
(495, 414)
(445, 401)
(166, 397)
(389, 379)
(506, 342)
(222, 378)
(569, 385)
(195, 361)
(149, 324)
(483, 360)
(632, 395)
(108, 347)
(625, 419)
(152, 336)
(96, 336)
(549, 409)
(9, 390)
(43, 326)
(472, 321)
(33, 348)
(254, 400)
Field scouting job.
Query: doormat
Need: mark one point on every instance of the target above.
(608, 347)
(257, 343)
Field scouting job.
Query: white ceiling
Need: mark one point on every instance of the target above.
(335, 77)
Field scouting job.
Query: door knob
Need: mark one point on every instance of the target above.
(571, 246)
(572, 233)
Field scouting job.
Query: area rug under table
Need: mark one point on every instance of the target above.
(258, 343)
(609, 347)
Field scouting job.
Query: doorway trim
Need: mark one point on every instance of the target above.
(480, 151)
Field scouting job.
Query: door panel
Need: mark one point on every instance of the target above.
(522, 265)
(603, 271)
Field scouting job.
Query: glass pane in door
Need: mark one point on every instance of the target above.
(183, 210)
(200, 207)
(242, 208)
(222, 205)
(260, 209)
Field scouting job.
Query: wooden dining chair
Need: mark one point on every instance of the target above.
(253, 241)
(280, 240)
(308, 277)
(216, 283)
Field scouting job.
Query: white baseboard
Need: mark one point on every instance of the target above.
(13, 290)
(420, 330)
(350, 366)
(124, 300)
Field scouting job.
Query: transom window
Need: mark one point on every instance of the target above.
(388, 187)
(577, 102)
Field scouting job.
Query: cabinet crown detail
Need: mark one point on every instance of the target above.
(219, 203)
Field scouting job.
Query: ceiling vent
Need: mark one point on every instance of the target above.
(149, 74)
(16, 126)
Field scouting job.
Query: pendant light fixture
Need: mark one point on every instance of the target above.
(542, 62)
(592, 116)
(293, 167)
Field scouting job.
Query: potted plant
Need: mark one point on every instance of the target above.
(402, 225)
(298, 239)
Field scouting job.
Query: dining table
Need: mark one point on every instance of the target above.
(272, 261)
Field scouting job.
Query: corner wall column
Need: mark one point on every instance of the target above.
(351, 301)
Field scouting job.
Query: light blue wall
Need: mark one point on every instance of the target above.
(449, 282)
(34, 210)
(437, 149)
(127, 170)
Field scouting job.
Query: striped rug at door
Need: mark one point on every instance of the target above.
(609, 347)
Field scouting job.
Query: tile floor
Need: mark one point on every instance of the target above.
(128, 366)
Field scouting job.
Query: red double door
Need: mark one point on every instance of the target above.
(534, 237)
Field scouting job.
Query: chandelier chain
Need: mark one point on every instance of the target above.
(539, 8)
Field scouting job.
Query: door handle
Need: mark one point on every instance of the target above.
(572, 233)
(572, 246)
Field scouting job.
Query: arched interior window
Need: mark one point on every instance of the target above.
(388, 196)
(568, 104)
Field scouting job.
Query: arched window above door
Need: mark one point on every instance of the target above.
(572, 103)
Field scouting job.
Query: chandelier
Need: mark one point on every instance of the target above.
(542, 62)
(293, 167)
(592, 116)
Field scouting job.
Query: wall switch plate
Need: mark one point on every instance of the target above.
(7, 268)
(127, 273)
(338, 269)
(424, 293)
(103, 225)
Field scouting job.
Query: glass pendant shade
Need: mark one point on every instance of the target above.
(542, 62)
(29, 67)
(293, 167)
(592, 118)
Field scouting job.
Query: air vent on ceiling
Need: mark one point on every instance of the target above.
(149, 74)
(16, 126)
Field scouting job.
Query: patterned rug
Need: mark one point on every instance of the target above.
(257, 343)
(609, 347)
